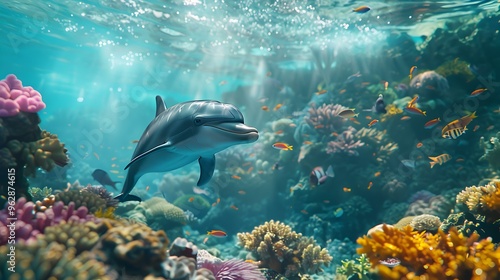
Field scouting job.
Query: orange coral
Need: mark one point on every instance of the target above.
(491, 203)
(482, 200)
(431, 256)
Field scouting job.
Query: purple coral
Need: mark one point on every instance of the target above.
(326, 119)
(233, 270)
(15, 98)
(27, 225)
(345, 143)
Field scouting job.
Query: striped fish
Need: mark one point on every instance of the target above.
(439, 159)
(457, 127)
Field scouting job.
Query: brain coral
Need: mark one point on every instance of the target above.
(162, 215)
(285, 251)
(82, 198)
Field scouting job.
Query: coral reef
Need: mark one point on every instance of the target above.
(425, 222)
(283, 250)
(358, 268)
(82, 198)
(45, 153)
(28, 224)
(482, 200)
(345, 144)
(72, 234)
(195, 204)
(433, 256)
(437, 206)
(325, 119)
(456, 67)
(103, 193)
(429, 82)
(38, 193)
(45, 260)
(233, 269)
(491, 150)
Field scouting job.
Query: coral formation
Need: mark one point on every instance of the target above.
(15, 98)
(482, 200)
(72, 234)
(325, 119)
(29, 224)
(491, 150)
(345, 144)
(82, 198)
(162, 215)
(425, 222)
(456, 67)
(45, 153)
(283, 250)
(433, 256)
(195, 204)
(429, 82)
(103, 193)
(38, 193)
(231, 269)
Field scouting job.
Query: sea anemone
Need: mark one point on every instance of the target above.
(233, 270)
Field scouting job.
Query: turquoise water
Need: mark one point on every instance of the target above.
(99, 65)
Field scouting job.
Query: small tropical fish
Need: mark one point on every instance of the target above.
(490, 127)
(323, 91)
(368, 117)
(361, 9)
(475, 128)
(373, 122)
(348, 113)
(377, 174)
(457, 127)
(205, 240)
(386, 85)
(413, 102)
(114, 171)
(135, 141)
(419, 145)
(307, 142)
(249, 170)
(404, 118)
(282, 146)
(96, 156)
(279, 132)
(265, 108)
(408, 163)
(191, 199)
(412, 69)
(304, 211)
(353, 77)
(460, 160)
(198, 190)
(345, 189)
(414, 111)
(223, 82)
(439, 159)
(338, 212)
(319, 126)
(318, 176)
(477, 92)
(342, 91)
(242, 192)
(234, 207)
(432, 123)
(147, 188)
(370, 185)
(277, 107)
(217, 233)
(236, 177)
(354, 120)
(113, 158)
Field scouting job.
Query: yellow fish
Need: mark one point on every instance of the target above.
(439, 159)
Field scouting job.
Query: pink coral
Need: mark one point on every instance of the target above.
(15, 98)
(325, 119)
(28, 224)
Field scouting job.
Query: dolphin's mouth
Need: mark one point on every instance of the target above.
(234, 127)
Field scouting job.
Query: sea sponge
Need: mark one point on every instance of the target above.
(73, 235)
(44, 153)
(432, 256)
(136, 247)
(195, 204)
(43, 260)
(285, 251)
(82, 198)
(162, 215)
(425, 222)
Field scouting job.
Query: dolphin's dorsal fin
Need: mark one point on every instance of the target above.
(207, 167)
(166, 145)
(160, 105)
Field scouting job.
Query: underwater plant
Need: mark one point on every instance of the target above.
(358, 268)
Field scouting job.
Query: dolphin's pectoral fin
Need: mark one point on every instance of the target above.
(207, 166)
(166, 145)
(160, 105)
(129, 197)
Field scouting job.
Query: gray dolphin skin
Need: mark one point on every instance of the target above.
(183, 133)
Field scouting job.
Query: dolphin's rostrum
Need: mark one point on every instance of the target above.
(183, 133)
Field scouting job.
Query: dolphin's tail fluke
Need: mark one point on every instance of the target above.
(127, 197)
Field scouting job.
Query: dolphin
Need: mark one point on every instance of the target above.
(183, 133)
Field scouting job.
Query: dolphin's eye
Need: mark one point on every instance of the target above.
(197, 121)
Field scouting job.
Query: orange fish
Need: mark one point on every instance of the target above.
(415, 111)
(236, 177)
(282, 146)
(412, 69)
(354, 120)
(342, 91)
(217, 233)
(265, 108)
(372, 123)
(477, 92)
(277, 107)
(370, 185)
(319, 126)
(249, 170)
(307, 142)
(419, 145)
(439, 159)
(205, 240)
(234, 207)
(96, 156)
(368, 117)
(377, 174)
(279, 132)
(191, 199)
(361, 9)
(242, 192)
(386, 85)
(432, 123)
(346, 189)
(457, 127)
(323, 91)
(404, 118)
(459, 160)
(304, 211)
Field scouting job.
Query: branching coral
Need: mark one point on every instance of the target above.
(325, 119)
(482, 200)
(346, 143)
(80, 236)
(45, 153)
(432, 256)
(38, 193)
(82, 198)
(283, 250)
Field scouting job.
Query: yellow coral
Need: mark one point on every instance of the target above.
(392, 111)
(431, 256)
(456, 67)
(482, 200)
(108, 213)
(44, 153)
